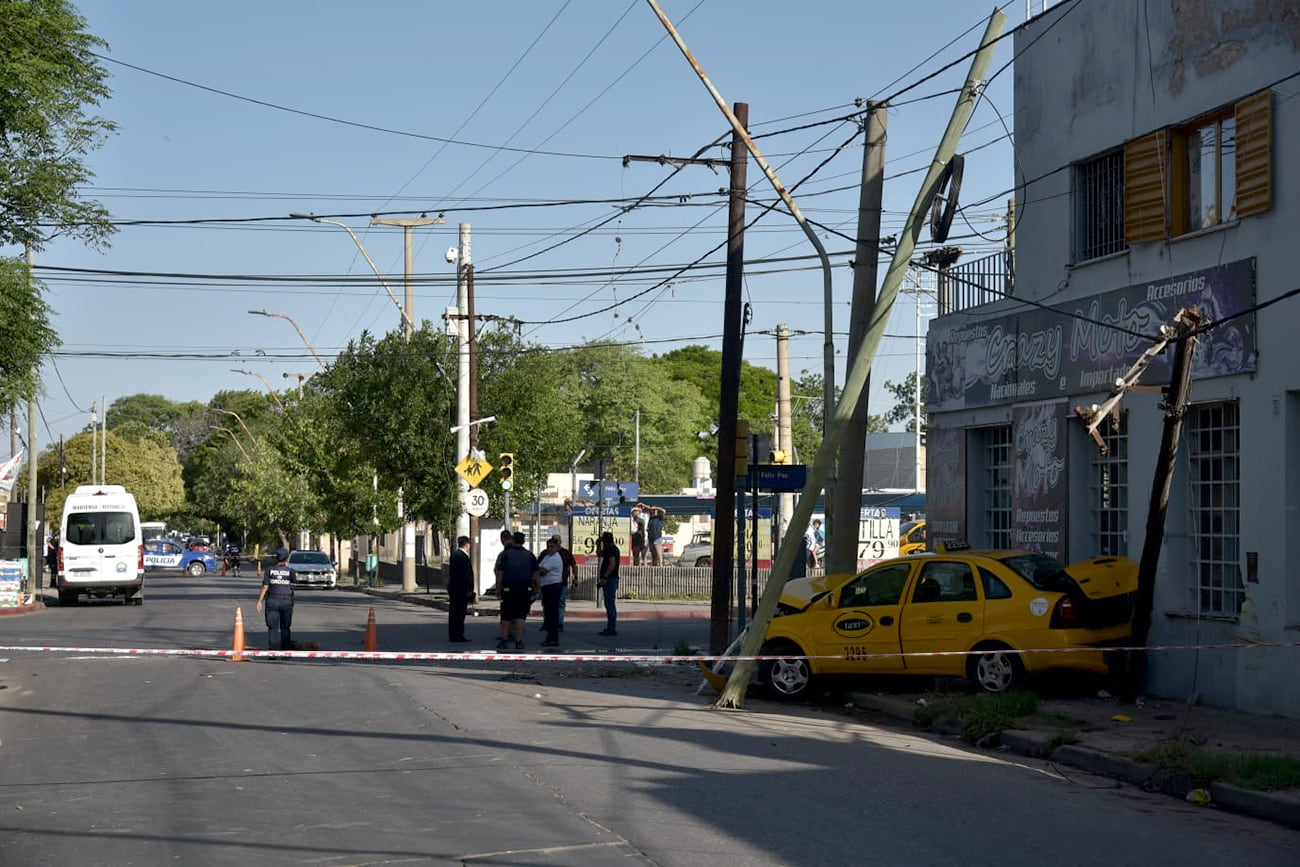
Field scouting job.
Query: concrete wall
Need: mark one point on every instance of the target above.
(1088, 77)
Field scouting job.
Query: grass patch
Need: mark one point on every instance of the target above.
(682, 648)
(1249, 770)
(981, 716)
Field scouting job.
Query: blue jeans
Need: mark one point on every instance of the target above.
(611, 605)
(564, 601)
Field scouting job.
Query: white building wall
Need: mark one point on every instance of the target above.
(1085, 83)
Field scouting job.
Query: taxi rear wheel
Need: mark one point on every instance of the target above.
(997, 670)
(787, 678)
(196, 569)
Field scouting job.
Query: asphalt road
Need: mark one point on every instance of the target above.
(154, 760)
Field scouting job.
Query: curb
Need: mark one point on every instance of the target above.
(1282, 808)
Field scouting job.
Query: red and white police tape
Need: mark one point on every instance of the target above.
(649, 658)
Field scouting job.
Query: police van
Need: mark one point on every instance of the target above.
(101, 550)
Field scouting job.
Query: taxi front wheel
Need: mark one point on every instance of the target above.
(787, 678)
(997, 671)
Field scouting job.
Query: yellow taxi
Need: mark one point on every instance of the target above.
(911, 537)
(957, 613)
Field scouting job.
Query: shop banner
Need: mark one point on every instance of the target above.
(945, 485)
(1070, 349)
(1040, 493)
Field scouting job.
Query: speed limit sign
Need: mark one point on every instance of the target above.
(476, 502)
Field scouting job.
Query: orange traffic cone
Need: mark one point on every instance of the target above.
(238, 644)
(372, 639)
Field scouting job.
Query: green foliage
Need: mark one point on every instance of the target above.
(25, 331)
(981, 716)
(904, 410)
(146, 467)
(51, 77)
(1204, 766)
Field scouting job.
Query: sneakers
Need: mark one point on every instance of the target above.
(607, 632)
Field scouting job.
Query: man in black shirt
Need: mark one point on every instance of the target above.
(460, 589)
(517, 573)
(277, 593)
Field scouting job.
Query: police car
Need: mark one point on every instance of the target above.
(166, 554)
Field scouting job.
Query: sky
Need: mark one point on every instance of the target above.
(513, 117)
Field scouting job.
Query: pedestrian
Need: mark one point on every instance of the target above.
(570, 576)
(608, 581)
(277, 594)
(52, 558)
(638, 537)
(550, 583)
(655, 535)
(816, 542)
(516, 573)
(460, 589)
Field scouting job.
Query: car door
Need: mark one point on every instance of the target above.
(944, 614)
(857, 632)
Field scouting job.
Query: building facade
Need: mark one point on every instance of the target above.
(1150, 143)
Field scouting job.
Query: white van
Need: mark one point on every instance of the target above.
(101, 551)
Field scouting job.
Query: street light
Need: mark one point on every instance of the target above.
(238, 418)
(287, 318)
(302, 377)
(274, 396)
(406, 316)
(232, 435)
(458, 427)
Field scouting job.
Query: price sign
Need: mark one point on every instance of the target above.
(476, 502)
(877, 535)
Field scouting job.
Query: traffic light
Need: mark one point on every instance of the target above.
(742, 447)
(506, 470)
(779, 456)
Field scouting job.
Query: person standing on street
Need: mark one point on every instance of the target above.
(52, 559)
(638, 537)
(516, 573)
(460, 589)
(608, 581)
(277, 594)
(570, 578)
(550, 581)
(655, 535)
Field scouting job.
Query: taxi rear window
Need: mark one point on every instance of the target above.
(1042, 571)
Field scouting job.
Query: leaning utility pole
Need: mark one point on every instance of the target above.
(784, 425)
(733, 695)
(1175, 405)
(842, 542)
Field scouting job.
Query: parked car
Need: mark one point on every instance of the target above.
(698, 552)
(977, 612)
(313, 568)
(166, 554)
(199, 543)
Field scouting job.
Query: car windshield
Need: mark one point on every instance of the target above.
(1040, 570)
(309, 558)
(907, 527)
(100, 528)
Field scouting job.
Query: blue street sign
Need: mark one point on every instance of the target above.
(609, 490)
(781, 477)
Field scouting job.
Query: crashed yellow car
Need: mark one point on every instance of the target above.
(958, 613)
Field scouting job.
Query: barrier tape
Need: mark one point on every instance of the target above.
(657, 659)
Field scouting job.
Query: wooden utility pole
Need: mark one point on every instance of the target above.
(842, 535)
(1175, 405)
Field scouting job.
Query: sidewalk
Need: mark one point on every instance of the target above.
(1102, 736)
(586, 609)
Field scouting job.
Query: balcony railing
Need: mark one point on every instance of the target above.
(975, 283)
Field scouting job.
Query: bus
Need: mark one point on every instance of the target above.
(153, 530)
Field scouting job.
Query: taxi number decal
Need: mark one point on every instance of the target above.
(856, 652)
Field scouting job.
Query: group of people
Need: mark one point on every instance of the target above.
(647, 532)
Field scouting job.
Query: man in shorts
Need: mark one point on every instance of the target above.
(517, 574)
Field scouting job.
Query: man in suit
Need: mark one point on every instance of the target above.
(460, 589)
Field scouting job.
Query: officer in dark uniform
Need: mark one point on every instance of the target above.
(277, 593)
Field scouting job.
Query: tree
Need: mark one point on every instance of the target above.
(51, 79)
(905, 402)
(138, 460)
(25, 332)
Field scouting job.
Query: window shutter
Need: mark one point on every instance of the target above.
(1255, 154)
(1145, 176)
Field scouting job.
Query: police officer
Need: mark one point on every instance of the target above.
(277, 593)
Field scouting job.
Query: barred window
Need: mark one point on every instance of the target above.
(1214, 480)
(1108, 489)
(1099, 206)
(997, 486)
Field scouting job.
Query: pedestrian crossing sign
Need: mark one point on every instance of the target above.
(473, 470)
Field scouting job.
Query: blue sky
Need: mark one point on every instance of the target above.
(586, 81)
